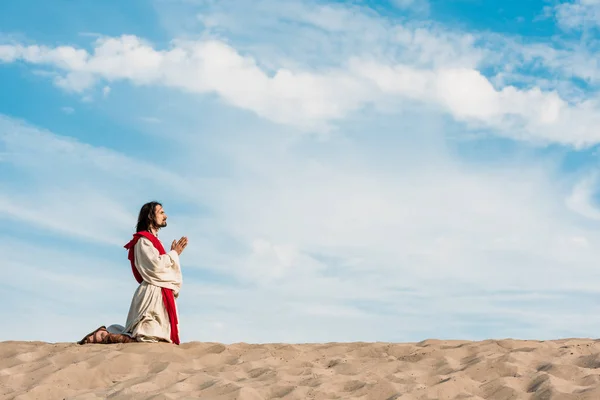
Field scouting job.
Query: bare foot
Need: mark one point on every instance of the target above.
(118, 338)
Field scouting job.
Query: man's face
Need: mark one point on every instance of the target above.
(160, 217)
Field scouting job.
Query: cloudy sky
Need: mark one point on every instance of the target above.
(389, 170)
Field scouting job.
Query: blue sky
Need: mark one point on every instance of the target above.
(374, 171)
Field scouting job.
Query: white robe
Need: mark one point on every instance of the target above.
(148, 320)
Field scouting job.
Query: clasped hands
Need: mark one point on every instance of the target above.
(179, 245)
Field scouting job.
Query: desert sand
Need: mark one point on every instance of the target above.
(432, 369)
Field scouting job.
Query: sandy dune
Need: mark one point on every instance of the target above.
(500, 370)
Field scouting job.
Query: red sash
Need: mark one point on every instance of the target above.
(167, 294)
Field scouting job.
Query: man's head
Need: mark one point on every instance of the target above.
(152, 216)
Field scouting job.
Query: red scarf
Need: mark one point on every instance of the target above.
(167, 294)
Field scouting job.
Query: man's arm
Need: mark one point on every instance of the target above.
(147, 257)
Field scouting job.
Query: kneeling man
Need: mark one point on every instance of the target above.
(153, 313)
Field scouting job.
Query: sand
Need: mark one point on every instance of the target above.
(433, 369)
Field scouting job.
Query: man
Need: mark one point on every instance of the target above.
(153, 313)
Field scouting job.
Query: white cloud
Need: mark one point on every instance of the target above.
(210, 66)
(8, 53)
(311, 99)
(65, 57)
(106, 91)
(578, 14)
(529, 114)
(580, 199)
(68, 110)
(425, 64)
(75, 81)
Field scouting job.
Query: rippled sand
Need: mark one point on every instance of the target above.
(433, 369)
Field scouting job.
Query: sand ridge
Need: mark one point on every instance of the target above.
(433, 369)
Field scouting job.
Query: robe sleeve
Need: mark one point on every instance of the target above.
(148, 255)
(160, 270)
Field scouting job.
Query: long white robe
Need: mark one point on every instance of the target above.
(148, 320)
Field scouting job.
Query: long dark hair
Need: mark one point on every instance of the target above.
(146, 218)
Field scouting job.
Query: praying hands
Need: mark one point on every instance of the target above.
(179, 245)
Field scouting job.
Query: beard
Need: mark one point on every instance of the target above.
(163, 225)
